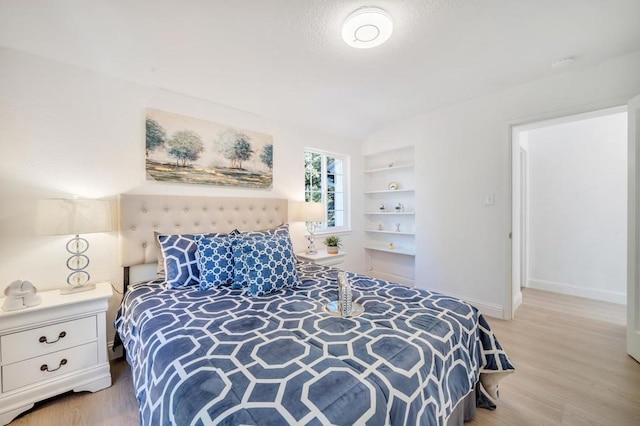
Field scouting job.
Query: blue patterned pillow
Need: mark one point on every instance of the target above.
(215, 261)
(268, 264)
(239, 273)
(282, 230)
(179, 252)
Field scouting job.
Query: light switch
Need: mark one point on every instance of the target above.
(489, 200)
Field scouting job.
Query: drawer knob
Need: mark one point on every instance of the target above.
(43, 339)
(45, 367)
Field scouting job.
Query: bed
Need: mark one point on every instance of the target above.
(224, 353)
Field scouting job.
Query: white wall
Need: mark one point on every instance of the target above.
(66, 130)
(578, 207)
(463, 154)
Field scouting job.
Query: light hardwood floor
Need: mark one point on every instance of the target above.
(572, 369)
(571, 365)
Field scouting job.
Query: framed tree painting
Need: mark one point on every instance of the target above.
(189, 150)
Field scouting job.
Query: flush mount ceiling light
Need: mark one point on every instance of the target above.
(367, 27)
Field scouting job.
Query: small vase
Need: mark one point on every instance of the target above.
(332, 250)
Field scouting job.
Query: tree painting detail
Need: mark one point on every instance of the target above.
(267, 156)
(185, 146)
(189, 150)
(234, 146)
(156, 136)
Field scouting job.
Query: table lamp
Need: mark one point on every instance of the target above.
(311, 213)
(75, 217)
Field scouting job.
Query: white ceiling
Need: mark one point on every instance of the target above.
(285, 59)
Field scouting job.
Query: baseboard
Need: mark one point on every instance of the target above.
(114, 354)
(487, 309)
(517, 300)
(391, 277)
(564, 288)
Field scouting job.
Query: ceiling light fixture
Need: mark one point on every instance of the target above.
(367, 27)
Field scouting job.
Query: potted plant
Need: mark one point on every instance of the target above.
(333, 244)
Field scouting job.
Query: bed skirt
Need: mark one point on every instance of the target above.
(465, 410)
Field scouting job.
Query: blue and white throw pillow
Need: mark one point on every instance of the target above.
(179, 252)
(268, 264)
(215, 261)
(282, 230)
(239, 272)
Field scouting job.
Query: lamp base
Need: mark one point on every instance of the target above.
(311, 248)
(77, 288)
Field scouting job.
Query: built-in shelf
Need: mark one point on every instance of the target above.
(389, 191)
(396, 250)
(376, 231)
(389, 182)
(391, 213)
(387, 169)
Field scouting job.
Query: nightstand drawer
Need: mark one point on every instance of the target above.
(44, 367)
(39, 341)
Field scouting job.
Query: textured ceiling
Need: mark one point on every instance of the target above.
(285, 59)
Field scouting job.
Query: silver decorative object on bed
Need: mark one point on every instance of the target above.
(344, 306)
(344, 295)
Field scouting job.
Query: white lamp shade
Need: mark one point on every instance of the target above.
(309, 212)
(66, 217)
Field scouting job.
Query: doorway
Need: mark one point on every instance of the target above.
(569, 206)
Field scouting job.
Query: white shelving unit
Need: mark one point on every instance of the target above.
(396, 249)
(375, 231)
(408, 165)
(390, 215)
(389, 191)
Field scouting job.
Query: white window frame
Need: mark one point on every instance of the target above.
(346, 176)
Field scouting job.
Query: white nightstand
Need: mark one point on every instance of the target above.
(323, 258)
(57, 346)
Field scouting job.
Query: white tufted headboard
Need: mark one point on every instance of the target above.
(141, 215)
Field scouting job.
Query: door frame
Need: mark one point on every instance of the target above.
(513, 189)
(633, 223)
(524, 218)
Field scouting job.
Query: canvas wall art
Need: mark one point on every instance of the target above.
(189, 150)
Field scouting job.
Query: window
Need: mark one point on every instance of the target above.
(325, 181)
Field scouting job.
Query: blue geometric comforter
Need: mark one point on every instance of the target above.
(220, 357)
